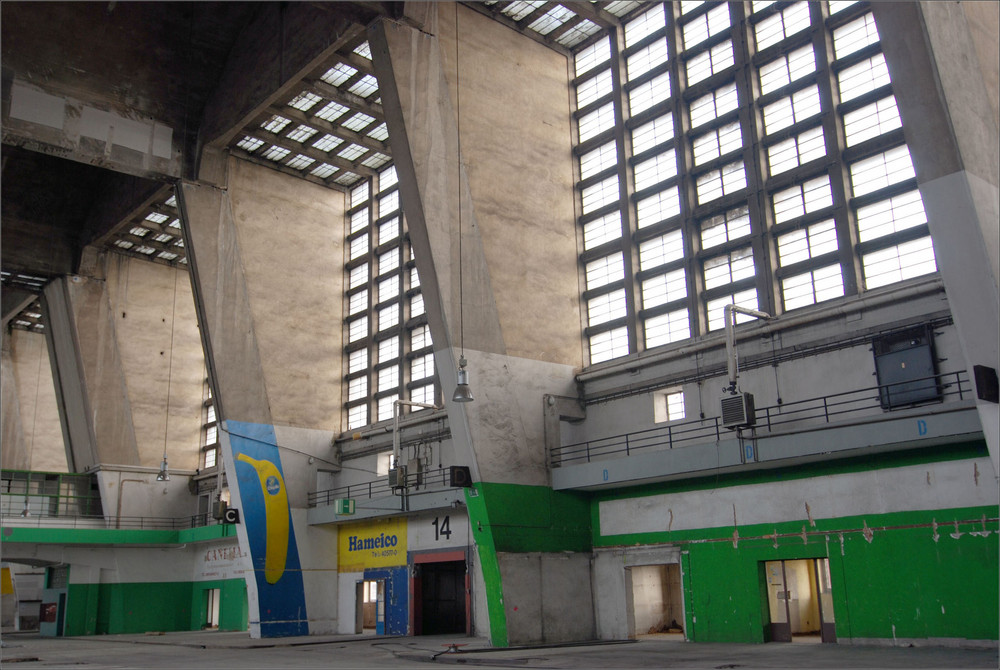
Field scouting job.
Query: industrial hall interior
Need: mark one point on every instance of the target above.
(536, 322)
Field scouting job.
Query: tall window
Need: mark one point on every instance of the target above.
(737, 152)
(210, 431)
(388, 353)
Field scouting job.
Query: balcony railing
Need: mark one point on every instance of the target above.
(801, 414)
(12, 511)
(427, 479)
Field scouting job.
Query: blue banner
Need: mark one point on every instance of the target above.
(267, 518)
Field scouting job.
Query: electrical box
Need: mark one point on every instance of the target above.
(905, 368)
(345, 506)
(219, 509)
(397, 477)
(738, 410)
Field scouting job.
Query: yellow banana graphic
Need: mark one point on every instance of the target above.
(275, 515)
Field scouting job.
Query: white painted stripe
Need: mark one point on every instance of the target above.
(943, 485)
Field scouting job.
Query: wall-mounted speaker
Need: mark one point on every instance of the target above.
(987, 387)
(459, 476)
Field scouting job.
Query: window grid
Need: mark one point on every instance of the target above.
(683, 214)
(389, 354)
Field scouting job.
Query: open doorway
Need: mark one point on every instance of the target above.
(441, 598)
(212, 598)
(655, 605)
(800, 600)
(372, 601)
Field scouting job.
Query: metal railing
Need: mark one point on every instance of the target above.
(799, 414)
(426, 479)
(12, 510)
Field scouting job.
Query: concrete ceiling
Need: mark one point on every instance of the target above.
(212, 74)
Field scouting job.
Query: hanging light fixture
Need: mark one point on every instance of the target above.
(462, 391)
(26, 512)
(163, 475)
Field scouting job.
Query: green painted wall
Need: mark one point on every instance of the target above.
(897, 575)
(98, 609)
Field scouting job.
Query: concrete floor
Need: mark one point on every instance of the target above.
(211, 649)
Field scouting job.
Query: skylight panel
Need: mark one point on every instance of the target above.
(156, 217)
(124, 244)
(276, 153)
(379, 132)
(176, 223)
(304, 101)
(358, 122)
(365, 86)
(622, 8)
(166, 255)
(163, 238)
(323, 170)
(250, 144)
(145, 250)
(275, 124)
(376, 160)
(578, 33)
(519, 10)
(352, 151)
(338, 74)
(171, 201)
(327, 143)
(300, 162)
(302, 133)
(551, 20)
(364, 50)
(332, 111)
(139, 231)
(347, 178)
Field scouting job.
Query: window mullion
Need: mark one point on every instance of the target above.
(626, 186)
(751, 121)
(847, 237)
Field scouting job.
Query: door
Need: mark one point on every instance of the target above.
(212, 597)
(800, 600)
(777, 601)
(442, 598)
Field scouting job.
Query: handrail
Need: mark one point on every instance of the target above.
(38, 518)
(812, 411)
(437, 478)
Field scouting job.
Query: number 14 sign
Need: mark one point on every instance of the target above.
(438, 531)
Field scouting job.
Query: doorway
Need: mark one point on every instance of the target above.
(654, 602)
(441, 598)
(373, 606)
(800, 600)
(212, 598)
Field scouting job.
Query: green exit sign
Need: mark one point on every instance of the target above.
(345, 506)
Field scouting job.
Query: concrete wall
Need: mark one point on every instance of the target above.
(32, 436)
(162, 358)
(547, 597)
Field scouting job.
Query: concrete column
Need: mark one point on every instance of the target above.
(90, 380)
(266, 256)
(942, 58)
(480, 127)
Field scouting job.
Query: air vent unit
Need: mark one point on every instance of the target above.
(737, 410)
(397, 477)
